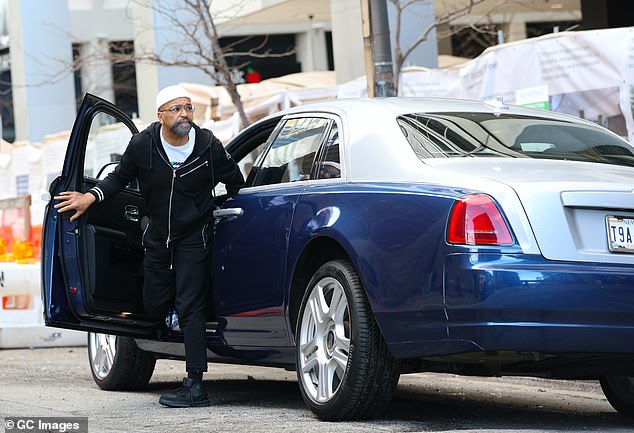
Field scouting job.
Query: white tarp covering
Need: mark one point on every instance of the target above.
(586, 74)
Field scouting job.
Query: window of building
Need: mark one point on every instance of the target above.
(267, 67)
(22, 184)
(471, 42)
(538, 29)
(124, 78)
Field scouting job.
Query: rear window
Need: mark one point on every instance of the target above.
(441, 135)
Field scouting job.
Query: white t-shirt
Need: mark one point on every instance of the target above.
(178, 154)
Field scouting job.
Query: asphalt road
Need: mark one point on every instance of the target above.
(57, 382)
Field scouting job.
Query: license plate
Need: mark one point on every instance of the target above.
(620, 233)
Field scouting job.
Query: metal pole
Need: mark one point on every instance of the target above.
(367, 46)
(381, 49)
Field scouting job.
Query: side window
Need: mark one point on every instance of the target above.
(330, 166)
(107, 141)
(246, 166)
(291, 155)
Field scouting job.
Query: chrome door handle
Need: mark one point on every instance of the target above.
(131, 213)
(230, 214)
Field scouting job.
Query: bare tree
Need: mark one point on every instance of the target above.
(400, 6)
(191, 40)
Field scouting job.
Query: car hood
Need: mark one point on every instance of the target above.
(566, 202)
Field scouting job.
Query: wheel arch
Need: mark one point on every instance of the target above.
(317, 251)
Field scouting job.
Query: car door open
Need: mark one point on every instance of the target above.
(92, 268)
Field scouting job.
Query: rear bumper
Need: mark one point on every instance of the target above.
(497, 302)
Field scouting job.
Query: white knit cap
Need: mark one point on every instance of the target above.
(170, 93)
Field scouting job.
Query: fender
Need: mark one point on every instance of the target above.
(393, 239)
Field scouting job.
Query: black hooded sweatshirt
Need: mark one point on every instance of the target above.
(179, 201)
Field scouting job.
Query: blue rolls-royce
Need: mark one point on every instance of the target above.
(374, 238)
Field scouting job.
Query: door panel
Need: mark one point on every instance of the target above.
(114, 255)
(250, 267)
(92, 268)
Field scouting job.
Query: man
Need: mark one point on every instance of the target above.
(176, 164)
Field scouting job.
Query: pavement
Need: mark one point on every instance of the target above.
(56, 382)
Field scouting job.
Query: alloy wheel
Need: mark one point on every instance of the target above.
(324, 340)
(102, 349)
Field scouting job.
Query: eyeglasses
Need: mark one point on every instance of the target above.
(176, 109)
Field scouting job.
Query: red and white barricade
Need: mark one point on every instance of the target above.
(21, 312)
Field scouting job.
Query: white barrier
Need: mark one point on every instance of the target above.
(21, 312)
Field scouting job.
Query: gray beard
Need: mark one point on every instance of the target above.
(182, 128)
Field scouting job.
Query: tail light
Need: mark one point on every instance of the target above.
(476, 220)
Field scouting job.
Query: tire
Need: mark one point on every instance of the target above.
(619, 390)
(117, 364)
(337, 334)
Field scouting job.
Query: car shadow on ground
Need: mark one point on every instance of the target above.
(468, 411)
(427, 409)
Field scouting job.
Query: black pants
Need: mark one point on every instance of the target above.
(179, 276)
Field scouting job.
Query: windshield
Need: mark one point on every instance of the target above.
(442, 135)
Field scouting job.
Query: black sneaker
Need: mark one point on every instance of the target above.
(191, 394)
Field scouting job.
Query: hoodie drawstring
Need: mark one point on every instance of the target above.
(211, 164)
(169, 212)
